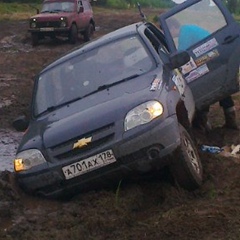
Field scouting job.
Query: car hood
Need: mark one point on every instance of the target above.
(95, 111)
(51, 16)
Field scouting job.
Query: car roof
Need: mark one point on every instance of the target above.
(49, 1)
(119, 33)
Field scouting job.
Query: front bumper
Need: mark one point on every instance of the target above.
(49, 30)
(138, 153)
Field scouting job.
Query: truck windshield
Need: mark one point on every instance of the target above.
(84, 74)
(58, 7)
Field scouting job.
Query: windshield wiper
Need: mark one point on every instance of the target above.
(56, 10)
(106, 86)
(49, 109)
(52, 108)
(100, 88)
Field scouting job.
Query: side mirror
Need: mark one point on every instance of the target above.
(21, 123)
(38, 11)
(80, 10)
(178, 59)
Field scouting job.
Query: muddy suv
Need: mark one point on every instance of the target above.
(123, 105)
(65, 18)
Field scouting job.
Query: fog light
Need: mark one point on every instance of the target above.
(18, 165)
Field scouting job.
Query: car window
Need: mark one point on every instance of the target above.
(156, 38)
(79, 5)
(57, 6)
(195, 23)
(86, 5)
(85, 73)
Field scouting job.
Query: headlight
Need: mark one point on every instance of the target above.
(33, 23)
(63, 22)
(142, 114)
(28, 159)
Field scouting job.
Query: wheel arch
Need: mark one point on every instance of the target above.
(73, 23)
(93, 23)
(182, 115)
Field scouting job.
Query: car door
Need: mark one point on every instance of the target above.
(85, 14)
(212, 72)
(159, 47)
(80, 15)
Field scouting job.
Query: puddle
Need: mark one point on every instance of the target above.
(9, 141)
(5, 103)
(14, 43)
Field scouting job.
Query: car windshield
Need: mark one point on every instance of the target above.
(92, 71)
(58, 7)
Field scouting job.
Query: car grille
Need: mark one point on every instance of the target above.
(100, 137)
(48, 24)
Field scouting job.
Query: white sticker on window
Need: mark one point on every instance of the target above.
(207, 46)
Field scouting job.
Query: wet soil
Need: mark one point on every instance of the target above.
(144, 209)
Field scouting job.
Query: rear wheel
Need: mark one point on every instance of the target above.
(73, 35)
(88, 33)
(35, 39)
(186, 166)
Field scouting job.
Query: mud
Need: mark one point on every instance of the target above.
(143, 209)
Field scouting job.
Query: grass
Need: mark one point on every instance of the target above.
(16, 11)
(22, 11)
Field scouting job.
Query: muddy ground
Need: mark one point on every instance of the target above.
(145, 209)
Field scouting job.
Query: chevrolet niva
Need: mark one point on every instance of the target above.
(124, 104)
(65, 18)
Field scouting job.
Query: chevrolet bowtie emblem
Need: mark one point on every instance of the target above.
(82, 142)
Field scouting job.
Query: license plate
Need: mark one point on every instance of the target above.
(47, 29)
(88, 164)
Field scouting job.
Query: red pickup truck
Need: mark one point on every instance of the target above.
(65, 18)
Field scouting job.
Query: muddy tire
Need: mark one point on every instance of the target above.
(88, 33)
(73, 35)
(35, 39)
(186, 166)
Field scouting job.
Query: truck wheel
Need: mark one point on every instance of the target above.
(88, 33)
(186, 166)
(73, 35)
(35, 39)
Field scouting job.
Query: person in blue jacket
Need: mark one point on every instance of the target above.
(187, 36)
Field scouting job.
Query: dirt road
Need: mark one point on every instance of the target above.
(144, 209)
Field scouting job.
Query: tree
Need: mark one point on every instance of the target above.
(232, 5)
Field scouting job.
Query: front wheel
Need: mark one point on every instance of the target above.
(73, 35)
(186, 165)
(88, 33)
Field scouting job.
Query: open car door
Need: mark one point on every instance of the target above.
(212, 72)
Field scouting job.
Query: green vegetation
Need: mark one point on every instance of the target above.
(7, 8)
(106, 3)
(233, 5)
(17, 10)
(133, 3)
(23, 9)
